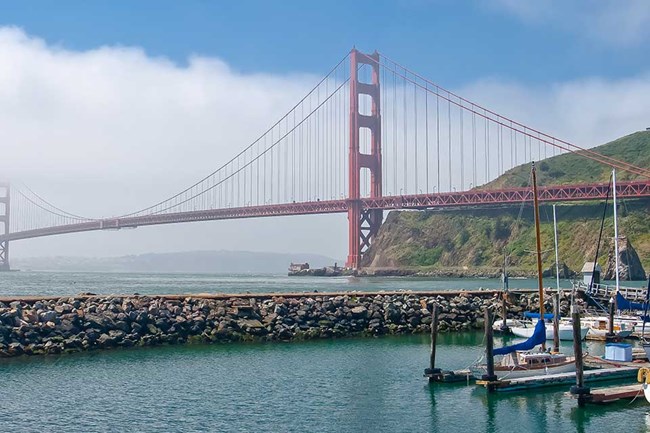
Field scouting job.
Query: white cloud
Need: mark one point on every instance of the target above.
(116, 114)
(615, 22)
(111, 130)
(585, 112)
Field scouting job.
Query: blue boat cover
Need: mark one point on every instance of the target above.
(529, 315)
(624, 304)
(538, 337)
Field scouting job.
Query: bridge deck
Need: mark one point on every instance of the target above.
(448, 200)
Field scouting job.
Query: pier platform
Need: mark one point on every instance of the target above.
(613, 393)
(591, 361)
(549, 380)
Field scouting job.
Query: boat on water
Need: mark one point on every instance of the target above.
(520, 360)
(598, 326)
(622, 326)
(646, 341)
(525, 329)
(533, 363)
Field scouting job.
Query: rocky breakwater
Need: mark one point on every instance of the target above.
(87, 323)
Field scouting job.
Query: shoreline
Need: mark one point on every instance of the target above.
(38, 326)
(475, 273)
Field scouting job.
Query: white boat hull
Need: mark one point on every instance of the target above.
(565, 332)
(624, 326)
(646, 392)
(552, 369)
(601, 334)
(646, 348)
(515, 373)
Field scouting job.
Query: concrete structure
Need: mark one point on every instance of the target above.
(589, 271)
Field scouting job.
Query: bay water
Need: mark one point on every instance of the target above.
(343, 385)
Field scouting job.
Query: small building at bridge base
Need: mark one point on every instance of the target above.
(589, 270)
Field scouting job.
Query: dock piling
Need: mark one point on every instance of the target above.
(434, 334)
(610, 336)
(583, 393)
(504, 308)
(489, 351)
(556, 323)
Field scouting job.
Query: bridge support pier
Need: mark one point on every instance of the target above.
(363, 224)
(5, 196)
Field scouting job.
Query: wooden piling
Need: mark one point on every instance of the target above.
(556, 323)
(434, 336)
(489, 351)
(582, 392)
(610, 328)
(504, 308)
(436, 374)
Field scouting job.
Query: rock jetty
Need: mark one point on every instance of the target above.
(52, 326)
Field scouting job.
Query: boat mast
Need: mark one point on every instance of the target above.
(556, 303)
(538, 242)
(557, 262)
(615, 226)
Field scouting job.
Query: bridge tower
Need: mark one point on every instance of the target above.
(363, 223)
(5, 196)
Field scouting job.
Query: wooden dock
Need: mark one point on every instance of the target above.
(614, 393)
(598, 362)
(603, 292)
(549, 380)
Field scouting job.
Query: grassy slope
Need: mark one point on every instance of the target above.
(574, 168)
(478, 239)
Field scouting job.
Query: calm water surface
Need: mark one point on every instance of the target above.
(346, 385)
(70, 283)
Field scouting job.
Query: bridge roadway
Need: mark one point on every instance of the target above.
(472, 198)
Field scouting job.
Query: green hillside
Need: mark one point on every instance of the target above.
(575, 168)
(475, 240)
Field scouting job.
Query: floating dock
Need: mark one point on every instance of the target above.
(613, 393)
(449, 376)
(599, 362)
(548, 380)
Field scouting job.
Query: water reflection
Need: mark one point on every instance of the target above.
(579, 418)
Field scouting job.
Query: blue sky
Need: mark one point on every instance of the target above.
(450, 41)
(110, 106)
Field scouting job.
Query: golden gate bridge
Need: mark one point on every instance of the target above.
(370, 136)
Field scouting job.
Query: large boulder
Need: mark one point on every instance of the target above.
(630, 267)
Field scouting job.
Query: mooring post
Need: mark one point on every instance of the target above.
(556, 323)
(504, 308)
(489, 351)
(610, 327)
(578, 389)
(434, 337)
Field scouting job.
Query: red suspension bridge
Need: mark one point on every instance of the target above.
(370, 136)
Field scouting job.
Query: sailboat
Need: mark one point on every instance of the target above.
(646, 342)
(520, 360)
(503, 325)
(623, 326)
(525, 329)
